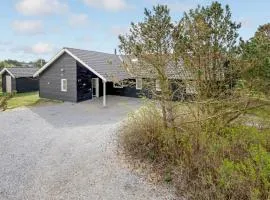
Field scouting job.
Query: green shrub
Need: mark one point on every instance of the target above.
(142, 130)
(4, 100)
(203, 162)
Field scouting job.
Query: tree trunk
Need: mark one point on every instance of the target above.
(164, 113)
(170, 115)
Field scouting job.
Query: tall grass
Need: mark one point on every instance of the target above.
(201, 161)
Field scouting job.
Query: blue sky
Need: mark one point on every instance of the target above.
(32, 29)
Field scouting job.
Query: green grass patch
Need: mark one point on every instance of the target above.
(262, 112)
(27, 99)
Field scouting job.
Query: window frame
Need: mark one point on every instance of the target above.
(158, 88)
(139, 88)
(63, 89)
(118, 86)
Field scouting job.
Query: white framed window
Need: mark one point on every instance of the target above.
(139, 83)
(191, 88)
(118, 85)
(134, 60)
(64, 85)
(158, 88)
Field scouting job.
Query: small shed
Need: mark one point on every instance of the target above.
(19, 79)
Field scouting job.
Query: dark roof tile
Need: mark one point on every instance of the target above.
(107, 65)
(20, 72)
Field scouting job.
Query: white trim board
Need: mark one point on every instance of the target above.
(6, 70)
(60, 53)
(73, 56)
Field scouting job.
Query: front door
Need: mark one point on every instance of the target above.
(8, 84)
(95, 87)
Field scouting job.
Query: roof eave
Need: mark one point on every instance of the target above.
(72, 55)
(6, 70)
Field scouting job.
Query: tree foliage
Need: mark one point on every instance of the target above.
(256, 55)
(205, 144)
(151, 43)
(206, 40)
(40, 63)
(9, 63)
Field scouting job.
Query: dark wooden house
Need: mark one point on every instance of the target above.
(76, 75)
(19, 79)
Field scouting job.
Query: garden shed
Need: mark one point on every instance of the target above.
(19, 79)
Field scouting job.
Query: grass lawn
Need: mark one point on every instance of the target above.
(27, 99)
(262, 112)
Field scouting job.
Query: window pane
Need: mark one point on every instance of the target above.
(118, 85)
(63, 85)
(138, 83)
(158, 85)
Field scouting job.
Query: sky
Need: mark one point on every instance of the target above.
(32, 29)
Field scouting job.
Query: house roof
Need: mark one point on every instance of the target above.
(106, 66)
(20, 72)
(111, 67)
(173, 70)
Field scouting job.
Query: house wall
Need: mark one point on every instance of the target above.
(84, 83)
(50, 80)
(66, 67)
(131, 91)
(3, 83)
(13, 82)
(127, 91)
(27, 84)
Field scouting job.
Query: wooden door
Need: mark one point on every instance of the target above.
(8, 84)
(95, 87)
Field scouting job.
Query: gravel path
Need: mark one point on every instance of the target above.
(67, 151)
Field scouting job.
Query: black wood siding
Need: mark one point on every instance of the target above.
(131, 91)
(27, 85)
(127, 91)
(50, 80)
(84, 83)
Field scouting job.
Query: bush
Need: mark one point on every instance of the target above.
(4, 100)
(207, 163)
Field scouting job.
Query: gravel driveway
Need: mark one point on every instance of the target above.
(67, 151)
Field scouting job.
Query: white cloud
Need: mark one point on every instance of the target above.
(36, 49)
(29, 27)
(110, 5)
(78, 20)
(42, 48)
(41, 7)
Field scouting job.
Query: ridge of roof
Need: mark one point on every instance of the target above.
(18, 67)
(112, 54)
(106, 66)
(18, 72)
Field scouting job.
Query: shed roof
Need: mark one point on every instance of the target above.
(20, 72)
